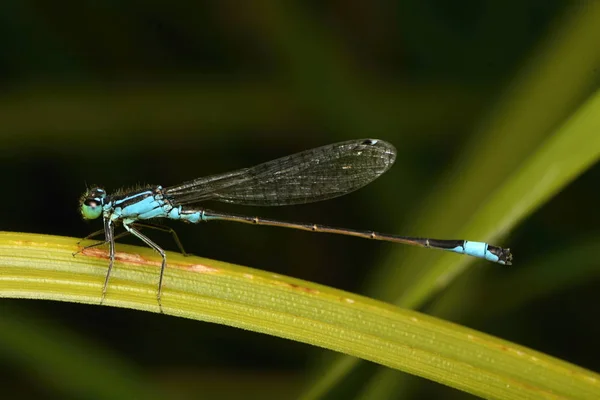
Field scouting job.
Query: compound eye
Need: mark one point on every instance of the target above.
(91, 209)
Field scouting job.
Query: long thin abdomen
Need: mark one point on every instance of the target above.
(475, 249)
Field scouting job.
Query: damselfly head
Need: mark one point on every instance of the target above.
(91, 203)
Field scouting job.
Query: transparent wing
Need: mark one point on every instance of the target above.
(312, 175)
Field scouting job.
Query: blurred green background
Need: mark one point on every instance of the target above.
(121, 94)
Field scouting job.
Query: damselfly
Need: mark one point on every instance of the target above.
(313, 175)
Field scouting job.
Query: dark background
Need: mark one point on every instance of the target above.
(125, 94)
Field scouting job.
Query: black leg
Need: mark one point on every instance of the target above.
(163, 229)
(160, 251)
(119, 236)
(109, 231)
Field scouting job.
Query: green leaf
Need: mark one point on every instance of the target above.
(43, 267)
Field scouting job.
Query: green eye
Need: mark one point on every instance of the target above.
(91, 209)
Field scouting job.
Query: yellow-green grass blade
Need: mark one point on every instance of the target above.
(43, 267)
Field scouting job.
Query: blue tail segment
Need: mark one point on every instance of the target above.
(475, 249)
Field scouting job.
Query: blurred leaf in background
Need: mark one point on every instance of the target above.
(121, 94)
